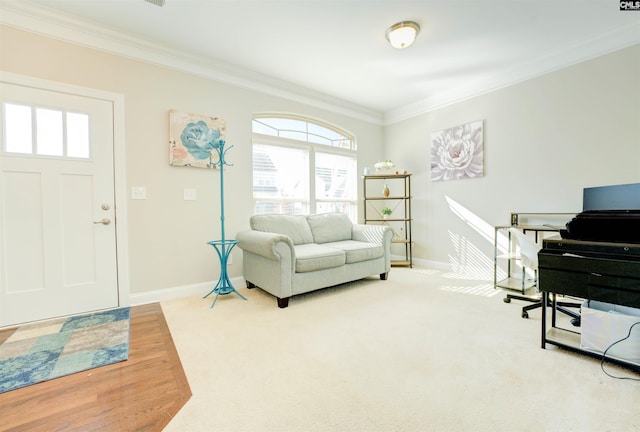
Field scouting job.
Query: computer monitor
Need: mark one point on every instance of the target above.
(615, 197)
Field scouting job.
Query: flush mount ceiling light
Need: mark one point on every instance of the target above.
(402, 34)
(156, 2)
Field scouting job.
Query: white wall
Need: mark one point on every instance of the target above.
(167, 235)
(544, 141)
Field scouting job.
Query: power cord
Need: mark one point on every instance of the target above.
(604, 354)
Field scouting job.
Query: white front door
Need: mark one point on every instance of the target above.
(57, 218)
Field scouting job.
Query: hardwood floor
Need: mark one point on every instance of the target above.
(140, 394)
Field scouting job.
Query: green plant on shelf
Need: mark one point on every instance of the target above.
(386, 212)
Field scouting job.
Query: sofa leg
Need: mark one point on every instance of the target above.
(250, 285)
(383, 276)
(283, 302)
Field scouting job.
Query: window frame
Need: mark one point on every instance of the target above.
(316, 122)
(313, 149)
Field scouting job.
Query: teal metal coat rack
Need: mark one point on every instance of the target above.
(223, 246)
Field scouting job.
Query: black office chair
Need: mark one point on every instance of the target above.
(529, 259)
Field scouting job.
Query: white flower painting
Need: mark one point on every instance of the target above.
(457, 153)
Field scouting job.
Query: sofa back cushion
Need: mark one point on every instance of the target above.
(294, 226)
(330, 227)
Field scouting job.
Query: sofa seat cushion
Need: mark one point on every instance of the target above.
(357, 251)
(311, 257)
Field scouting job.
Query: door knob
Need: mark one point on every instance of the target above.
(103, 221)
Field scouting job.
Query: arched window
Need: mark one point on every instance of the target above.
(302, 166)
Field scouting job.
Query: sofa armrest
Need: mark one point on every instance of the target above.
(377, 234)
(264, 243)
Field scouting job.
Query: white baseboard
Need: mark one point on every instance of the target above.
(178, 292)
(435, 265)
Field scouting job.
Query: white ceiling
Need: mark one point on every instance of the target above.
(327, 49)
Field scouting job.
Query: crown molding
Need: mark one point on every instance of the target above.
(616, 40)
(43, 21)
(39, 20)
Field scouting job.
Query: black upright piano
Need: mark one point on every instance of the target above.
(606, 271)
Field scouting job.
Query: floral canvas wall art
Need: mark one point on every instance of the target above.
(193, 139)
(457, 152)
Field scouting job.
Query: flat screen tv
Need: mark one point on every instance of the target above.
(615, 197)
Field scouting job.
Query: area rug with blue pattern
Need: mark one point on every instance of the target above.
(50, 349)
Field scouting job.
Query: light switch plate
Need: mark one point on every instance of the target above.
(190, 194)
(138, 192)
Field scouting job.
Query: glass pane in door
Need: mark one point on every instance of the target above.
(17, 129)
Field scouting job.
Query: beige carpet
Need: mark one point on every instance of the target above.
(422, 351)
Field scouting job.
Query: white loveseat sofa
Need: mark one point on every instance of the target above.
(287, 255)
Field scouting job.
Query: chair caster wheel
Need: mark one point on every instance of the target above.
(525, 315)
(506, 300)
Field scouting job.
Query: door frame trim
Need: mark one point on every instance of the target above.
(119, 165)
